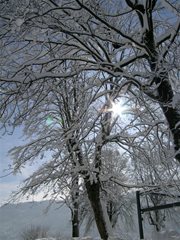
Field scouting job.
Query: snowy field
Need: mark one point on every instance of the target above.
(162, 236)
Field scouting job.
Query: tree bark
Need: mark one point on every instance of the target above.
(164, 88)
(165, 98)
(75, 220)
(172, 115)
(75, 210)
(93, 191)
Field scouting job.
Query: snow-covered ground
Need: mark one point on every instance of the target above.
(162, 236)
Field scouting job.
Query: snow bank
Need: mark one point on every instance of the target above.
(171, 235)
(82, 238)
(166, 235)
(46, 238)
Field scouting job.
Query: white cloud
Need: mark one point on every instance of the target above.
(6, 190)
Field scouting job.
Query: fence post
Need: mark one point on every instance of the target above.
(141, 233)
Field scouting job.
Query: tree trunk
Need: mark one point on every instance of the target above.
(172, 115)
(100, 214)
(164, 88)
(75, 210)
(165, 98)
(157, 220)
(110, 210)
(94, 191)
(75, 220)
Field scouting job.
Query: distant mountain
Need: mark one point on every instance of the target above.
(14, 218)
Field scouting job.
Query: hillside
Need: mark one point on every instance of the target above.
(16, 217)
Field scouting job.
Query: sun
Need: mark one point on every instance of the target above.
(117, 108)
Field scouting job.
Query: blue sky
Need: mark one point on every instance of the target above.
(10, 182)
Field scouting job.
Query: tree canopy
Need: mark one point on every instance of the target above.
(65, 64)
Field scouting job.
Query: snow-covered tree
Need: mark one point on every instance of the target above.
(152, 163)
(49, 47)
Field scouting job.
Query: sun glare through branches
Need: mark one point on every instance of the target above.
(117, 108)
